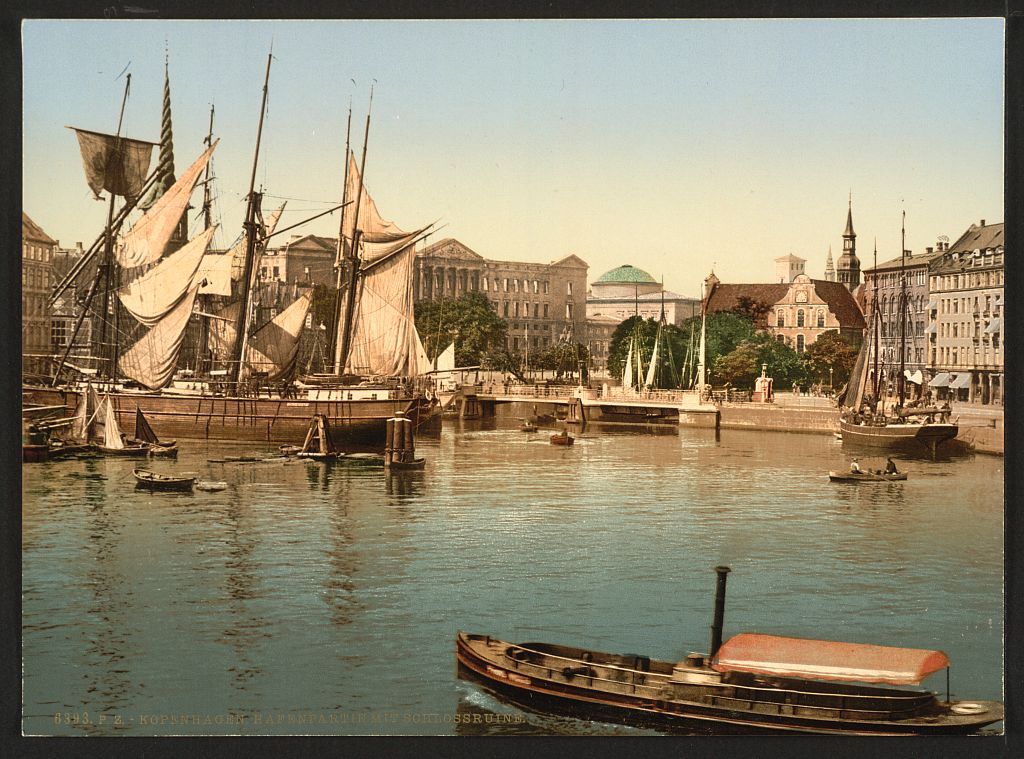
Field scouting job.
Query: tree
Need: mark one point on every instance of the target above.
(470, 322)
(742, 365)
(671, 351)
(755, 311)
(830, 351)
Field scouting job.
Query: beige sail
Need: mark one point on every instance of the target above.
(446, 359)
(237, 252)
(215, 274)
(152, 296)
(273, 347)
(375, 229)
(118, 165)
(649, 379)
(147, 240)
(152, 359)
(223, 330)
(384, 339)
(111, 431)
(627, 371)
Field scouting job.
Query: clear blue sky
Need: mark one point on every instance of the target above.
(671, 145)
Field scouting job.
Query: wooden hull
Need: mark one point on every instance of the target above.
(31, 454)
(278, 420)
(131, 452)
(178, 484)
(562, 440)
(894, 436)
(407, 465)
(618, 693)
(866, 477)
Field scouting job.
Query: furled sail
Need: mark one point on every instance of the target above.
(118, 165)
(374, 228)
(111, 430)
(273, 347)
(384, 338)
(152, 296)
(639, 362)
(152, 359)
(85, 414)
(147, 240)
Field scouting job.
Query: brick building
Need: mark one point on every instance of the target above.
(37, 250)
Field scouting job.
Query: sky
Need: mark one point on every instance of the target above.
(675, 146)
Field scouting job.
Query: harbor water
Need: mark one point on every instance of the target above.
(312, 598)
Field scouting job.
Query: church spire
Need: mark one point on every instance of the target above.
(848, 267)
(830, 269)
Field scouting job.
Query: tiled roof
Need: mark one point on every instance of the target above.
(918, 260)
(627, 274)
(32, 231)
(979, 238)
(725, 297)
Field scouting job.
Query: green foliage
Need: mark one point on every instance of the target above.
(671, 353)
(830, 351)
(755, 311)
(471, 322)
(742, 365)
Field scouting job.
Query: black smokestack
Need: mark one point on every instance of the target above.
(716, 627)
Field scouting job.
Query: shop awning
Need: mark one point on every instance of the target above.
(961, 381)
(939, 380)
(930, 329)
(917, 378)
(827, 660)
(933, 304)
(999, 300)
(994, 326)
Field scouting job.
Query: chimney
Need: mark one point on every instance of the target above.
(716, 625)
(982, 223)
(78, 247)
(928, 251)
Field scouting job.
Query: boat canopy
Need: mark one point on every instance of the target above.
(826, 660)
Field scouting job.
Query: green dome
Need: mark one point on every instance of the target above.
(628, 274)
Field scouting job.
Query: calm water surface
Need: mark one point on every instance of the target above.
(324, 599)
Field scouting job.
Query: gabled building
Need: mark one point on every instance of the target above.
(965, 327)
(626, 291)
(37, 250)
(799, 311)
(304, 259)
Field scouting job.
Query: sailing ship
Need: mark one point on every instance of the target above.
(161, 286)
(865, 418)
(752, 683)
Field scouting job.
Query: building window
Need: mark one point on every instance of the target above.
(515, 343)
(781, 338)
(800, 317)
(568, 288)
(545, 310)
(504, 285)
(546, 287)
(485, 284)
(536, 310)
(821, 318)
(780, 319)
(515, 307)
(505, 309)
(515, 285)
(800, 343)
(568, 310)
(535, 286)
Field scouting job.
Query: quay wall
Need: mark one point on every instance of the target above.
(772, 417)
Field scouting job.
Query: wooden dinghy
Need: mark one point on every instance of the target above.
(528, 426)
(154, 481)
(211, 486)
(867, 476)
(751, 683)
(562, 438)
(408, 465)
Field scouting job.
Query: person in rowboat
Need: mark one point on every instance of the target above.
(890, 467)
(855, 467)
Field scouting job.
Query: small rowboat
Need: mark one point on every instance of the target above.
(314, 456)
(528, 427)
(147, 479)
(562, 438)
(211, 486)
(407, 465)
(164, 451)
(129, 451)
(866, 477)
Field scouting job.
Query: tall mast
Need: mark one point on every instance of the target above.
(703, 343)
(245, 318)
(353, 256)
(108, 271)
(207, 202)
(874, 327)
(204, 321)
(901, 380)
(339, 261)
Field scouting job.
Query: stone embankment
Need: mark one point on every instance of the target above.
(981, 427)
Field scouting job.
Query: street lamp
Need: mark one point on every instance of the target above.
(830, 378)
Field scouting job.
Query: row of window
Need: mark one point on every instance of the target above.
(35, 253)
(967, 280)
(892, 278)
(963, 305)
(892, 328)
(35, 277)
(511, 310)
(801, 318)
(800, 342)
(962, 329)
(538, 342)
(888, 305)
(889, 355)
(947, 356)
